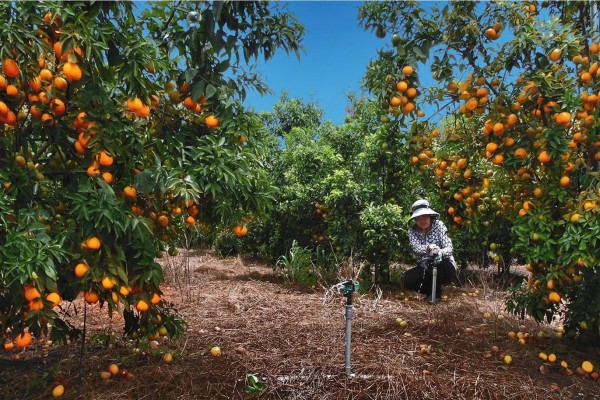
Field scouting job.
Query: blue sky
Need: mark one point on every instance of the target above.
(337, 52)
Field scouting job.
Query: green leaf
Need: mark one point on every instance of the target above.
(190, 74)
(210, 91)
(144, 181)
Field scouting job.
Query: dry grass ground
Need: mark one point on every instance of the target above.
(292, 339)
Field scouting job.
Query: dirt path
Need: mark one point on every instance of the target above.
(292, 339)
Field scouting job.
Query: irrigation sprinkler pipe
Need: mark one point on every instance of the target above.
(348, 288)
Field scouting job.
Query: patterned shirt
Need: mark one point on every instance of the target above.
(437, 235)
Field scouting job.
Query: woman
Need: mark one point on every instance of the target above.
(428, 237)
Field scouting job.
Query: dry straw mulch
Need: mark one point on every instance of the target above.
(292, 339)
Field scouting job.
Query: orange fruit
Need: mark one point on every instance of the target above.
(108, 177)
(563, 118)
(395, 101)
(240, 230)
(36, 304)
(587, 367)
(402, 86)
(10, 68)
(60, 83)
(520, 153)
(92, 169)
(142, 306)
(93, 243)
(57, 47)
(163, 221)
(113, 369)
(544, 157)
(143, 112)
(35, 84)
(58, 107)
(498, 159)
(408, 70)
(47, 119)
(189, 103)
(91, 297)
(155, 299)
(134, 104)
(81, 269)
(72, 71)
(31, 293)
(53, 298)
(9, 119)
(211, 121)
(554, 297)
(58, 391)
(105, 159)
(490, 33)
(23, 340)
(11, 90)
(190, 220)
(108, 283)
(565, 181)
(46, 75)
(8, 346)
(124, 290)
(491, 147)
(408, 108)
(555, 54)
(130, 192)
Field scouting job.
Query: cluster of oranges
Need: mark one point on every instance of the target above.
(194, 105)
(46, 97)
(164, 218)
(474, 94)
(404, 94)
(109, 284)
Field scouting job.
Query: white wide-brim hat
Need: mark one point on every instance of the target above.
(421, 207)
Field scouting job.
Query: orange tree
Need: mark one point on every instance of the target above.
(338, 187)
(525, 77)
(120, 129)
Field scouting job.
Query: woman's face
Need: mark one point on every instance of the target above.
(423, 222)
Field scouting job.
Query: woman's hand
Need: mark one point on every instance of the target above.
(433, 249)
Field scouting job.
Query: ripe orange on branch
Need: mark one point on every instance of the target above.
(31, 293)
(93, 243)
(142, 306)
(240, 230)
(53, 298)
(91, 297)
(81, 269)
(408, 70)
(130, 192)
(211, 121)
(10, 68)
(72, 71)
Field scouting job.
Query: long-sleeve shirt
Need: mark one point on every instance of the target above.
(438, 235)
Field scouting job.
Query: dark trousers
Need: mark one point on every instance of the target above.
(420, 278)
